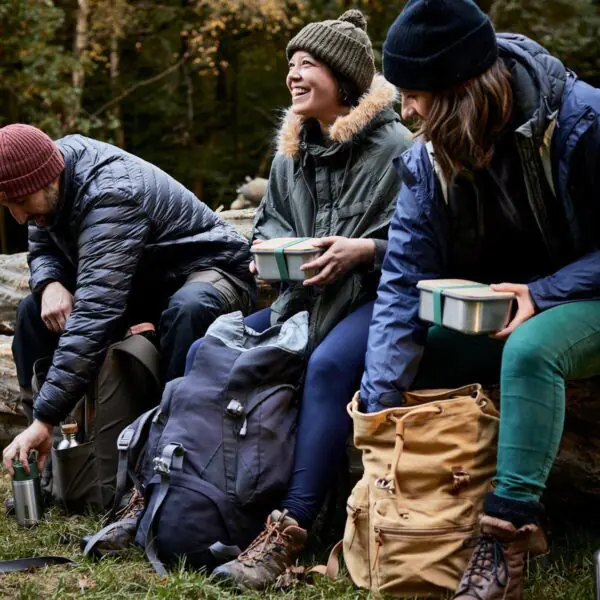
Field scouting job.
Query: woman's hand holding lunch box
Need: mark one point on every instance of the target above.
(342, 254)
(314, 261)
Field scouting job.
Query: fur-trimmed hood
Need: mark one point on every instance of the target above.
(380, 96)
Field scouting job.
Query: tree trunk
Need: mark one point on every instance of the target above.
(80, 46)
(116, 34)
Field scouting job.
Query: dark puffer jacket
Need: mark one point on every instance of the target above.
(119, 221)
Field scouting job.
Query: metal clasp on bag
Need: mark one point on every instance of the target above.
(171, 458)
(234, 409)
(161, 466)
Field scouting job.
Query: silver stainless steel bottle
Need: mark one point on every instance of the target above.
(69, 431)
(29, 508)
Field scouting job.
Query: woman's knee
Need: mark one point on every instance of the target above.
(328, 369)
(526, 353)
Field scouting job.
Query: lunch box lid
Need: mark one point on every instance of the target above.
(290, 246)
(463, 289)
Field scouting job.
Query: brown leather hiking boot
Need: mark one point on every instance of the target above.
(495, 571)
(268, 556)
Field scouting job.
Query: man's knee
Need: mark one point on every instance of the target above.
(195, 300)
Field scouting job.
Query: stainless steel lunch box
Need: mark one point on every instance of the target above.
(280, 259)
(465, 306)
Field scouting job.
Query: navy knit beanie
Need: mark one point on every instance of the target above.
(435, 44)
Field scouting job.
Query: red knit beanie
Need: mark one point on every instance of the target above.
(29, 160)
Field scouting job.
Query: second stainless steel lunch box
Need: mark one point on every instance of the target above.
(465, 306)
(280, 259)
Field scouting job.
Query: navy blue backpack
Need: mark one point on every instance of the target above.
(215, 457)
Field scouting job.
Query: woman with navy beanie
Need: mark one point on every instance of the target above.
(501, 189)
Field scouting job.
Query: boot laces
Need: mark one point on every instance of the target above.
(488, 549)
(271, 538)
(133, 507)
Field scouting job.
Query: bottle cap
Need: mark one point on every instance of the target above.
(21, 474)
(69, 428)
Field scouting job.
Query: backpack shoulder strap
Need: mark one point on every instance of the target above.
(144, 351)
(129, 439)
(332, 569)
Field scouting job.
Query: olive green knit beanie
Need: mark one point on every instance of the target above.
(342, 44)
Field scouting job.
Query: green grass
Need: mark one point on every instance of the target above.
(565, 574)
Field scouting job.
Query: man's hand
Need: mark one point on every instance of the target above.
(342, 254)
(525, 307)
(57, 304)
(38, 436)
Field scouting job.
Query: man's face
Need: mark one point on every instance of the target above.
(36, 208)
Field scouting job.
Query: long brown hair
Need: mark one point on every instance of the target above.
(463, 121)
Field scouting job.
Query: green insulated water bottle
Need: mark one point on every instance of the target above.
(27, 493)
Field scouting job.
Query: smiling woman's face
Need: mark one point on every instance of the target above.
(314, 89)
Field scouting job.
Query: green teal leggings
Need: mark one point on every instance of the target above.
(532, 366)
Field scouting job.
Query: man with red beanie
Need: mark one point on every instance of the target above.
(113, 241)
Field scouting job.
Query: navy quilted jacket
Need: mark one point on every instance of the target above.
(119, 220)
(419, 233)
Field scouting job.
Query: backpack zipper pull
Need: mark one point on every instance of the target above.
(244, 428)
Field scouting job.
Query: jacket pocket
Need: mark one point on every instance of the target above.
(266, 439)
(356, 535)
(420, 549)
(352, 210)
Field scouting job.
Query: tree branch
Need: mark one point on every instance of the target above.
(140, 84)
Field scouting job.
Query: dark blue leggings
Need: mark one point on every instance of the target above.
(332, 376)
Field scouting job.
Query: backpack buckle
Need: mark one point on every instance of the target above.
(171, 458)
(124, 439)
(161, 466)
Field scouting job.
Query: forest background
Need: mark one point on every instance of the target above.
(197, 86)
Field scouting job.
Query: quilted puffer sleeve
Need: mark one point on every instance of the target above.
(112, 237)
(46, 262)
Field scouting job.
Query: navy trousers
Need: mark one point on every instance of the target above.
(333, 375)
(186, 317)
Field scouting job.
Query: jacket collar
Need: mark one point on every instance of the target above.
(380, 96)
(538, 83)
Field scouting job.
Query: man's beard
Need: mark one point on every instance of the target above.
(51, 197)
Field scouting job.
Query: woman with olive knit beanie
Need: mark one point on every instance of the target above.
(507, 191)
(332, 179)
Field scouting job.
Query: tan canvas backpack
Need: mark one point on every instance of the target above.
(427, 468)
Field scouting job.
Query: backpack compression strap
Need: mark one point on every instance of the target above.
(170, 460)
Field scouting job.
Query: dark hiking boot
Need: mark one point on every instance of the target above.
(114, 541)
(120, 535)
(495, 571)
(268, 556)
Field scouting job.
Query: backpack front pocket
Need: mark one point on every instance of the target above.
(419, 548)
